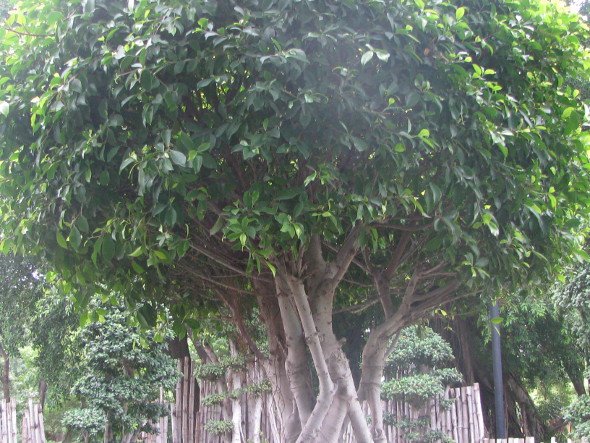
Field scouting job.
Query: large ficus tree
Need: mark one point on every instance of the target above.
(284, 152)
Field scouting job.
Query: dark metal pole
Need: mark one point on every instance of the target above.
(497, 367)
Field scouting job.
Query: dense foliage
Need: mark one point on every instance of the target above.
(128, 134)
(231, 149)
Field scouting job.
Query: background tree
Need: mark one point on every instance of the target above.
(20, 288)
(418, 370)
(123, 372)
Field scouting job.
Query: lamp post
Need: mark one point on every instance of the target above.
(497, 369)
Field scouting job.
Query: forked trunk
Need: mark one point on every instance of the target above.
(337, 397)
(283, 414)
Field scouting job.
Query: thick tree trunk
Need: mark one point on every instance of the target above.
(5, 373)
(287, 416)
(311, 430)
(296, 363)
(337, 396)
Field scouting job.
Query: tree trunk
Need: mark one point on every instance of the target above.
(337, 396)
(311, 430)
(296, 363)
(42, 393)
(108, 433)
(283, 401)
(5, 373)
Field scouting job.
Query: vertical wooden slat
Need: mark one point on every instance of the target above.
(464, 415)
(25, 429)
(449, 423)
(3, 422)
(185, 402)
(177, 423)
(473, 433)
(454, 416)
(191, 402)
(173, 422)
(13, 422)
(478, 410)
(41, 423)
(432, 413)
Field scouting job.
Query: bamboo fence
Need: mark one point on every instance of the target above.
(8, 422)
(33, 427)
(462, 421)
(527, 440)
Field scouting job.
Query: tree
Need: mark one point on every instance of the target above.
(20, 289)
(419, 370)
(123, 372)
(282, 152)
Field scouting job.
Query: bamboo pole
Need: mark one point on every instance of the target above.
(41, 422)
(185, 401)
(25, 429)
(473, 431)
(478, 410)
(3, 422)
(173, 422)
(464, 415)
(454, 416)
(191, 402)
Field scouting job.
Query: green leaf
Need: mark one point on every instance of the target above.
(82, 223)
(297, 54)
(366, 58)
(288, 194)
(4, 108)
(138, 252)
(459, 13)
(75, 238)
(148, 81)
(108, 249)
(177, 157)
(217, 226)
(436, 193)
(147, 316)
(126, 163)
(61, 240)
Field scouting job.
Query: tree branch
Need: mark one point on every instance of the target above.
(344, 257)
(215, 282)
(396, 259)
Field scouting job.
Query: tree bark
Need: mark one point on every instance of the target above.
(311, 430)
(42, 393)
(296, 363)
(288, 423)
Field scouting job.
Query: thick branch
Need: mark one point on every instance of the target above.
(396, 258)
(344, 257)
